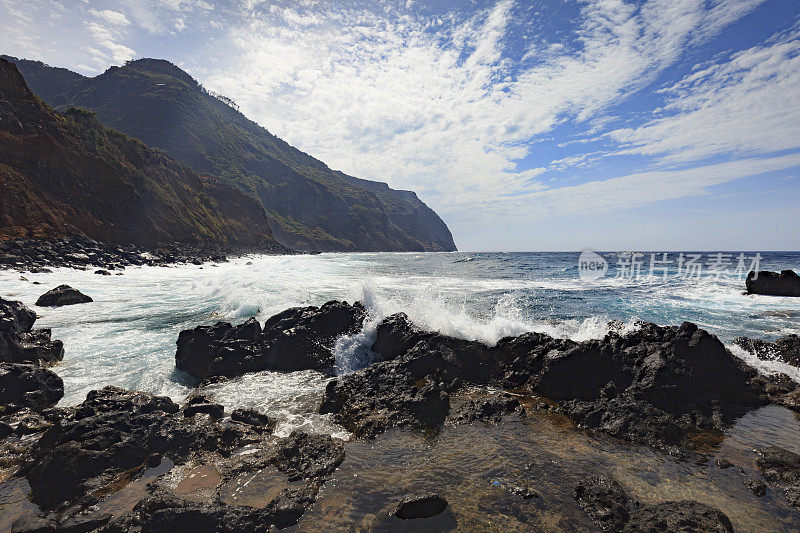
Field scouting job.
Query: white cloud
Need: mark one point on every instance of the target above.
(745, 105)
(440, 108)
(112, 17)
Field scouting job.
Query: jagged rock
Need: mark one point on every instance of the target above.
(781, 468)
(606, 502)
(62, 295)
(214, 410)
(653, 386)
(300, 338)
(21, 344)
(785, 283)
(253, 418)
(488, 410)
(389, 394)
(24, 385)
(785, 349)
(686, 516)
(424, 506)
(756, 486)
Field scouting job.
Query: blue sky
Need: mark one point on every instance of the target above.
(557, 125)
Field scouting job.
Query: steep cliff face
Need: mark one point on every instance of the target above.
(67, 173)
(310, 206)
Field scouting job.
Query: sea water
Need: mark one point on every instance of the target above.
(126, 337)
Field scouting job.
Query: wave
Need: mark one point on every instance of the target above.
(432, 309)
(764, 366)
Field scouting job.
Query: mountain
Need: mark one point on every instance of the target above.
(310, 206)
(65, 173)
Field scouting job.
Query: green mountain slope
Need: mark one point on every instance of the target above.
(310, 206)
(67, 173)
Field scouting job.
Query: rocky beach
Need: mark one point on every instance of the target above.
(643, 428)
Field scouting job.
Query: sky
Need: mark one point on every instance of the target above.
(527, 125)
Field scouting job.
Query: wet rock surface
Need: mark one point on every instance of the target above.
(28, 386)
(781, 468)
(606, 502)
(300, 338)
(88, 454)
(19, 343)
(656, 385)
(786, 349)
(62, 295)
(783, 283)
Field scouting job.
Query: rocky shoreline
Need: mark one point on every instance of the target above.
(80, 252)
(658, 387)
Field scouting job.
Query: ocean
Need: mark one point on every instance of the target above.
(126, 337)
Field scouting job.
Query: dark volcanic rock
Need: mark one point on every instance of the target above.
(253, 418)
(781, 468)
(303, 458)
(685, 516)
(424, 506)
(785, 349)
(787, 283)
(23, 385)
(96, 448)
(487, 410)
(606, 502)
(402, 392)
(214, 410)
(21, 344)
(300, 338)
(655, 385)
(62, 295)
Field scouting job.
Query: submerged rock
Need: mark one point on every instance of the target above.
(19, 343)
(424, 506)
(781, 468)
(62, 295)
(785, 283)
(606, 502)
(300, 338)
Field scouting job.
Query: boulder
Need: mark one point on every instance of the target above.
(21, 344)
(606, 502)
(300, 338)
(424, 506)
(785, 283)
(25, 385)
(781, 469)
(62, 295)
(253, 418)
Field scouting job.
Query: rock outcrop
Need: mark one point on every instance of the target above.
(25, 385)
(19, 343)
(655, 385)
(112, 438)
(62, 295)
(785, 283)
(606, 502)
(786, 349)
(300, 338)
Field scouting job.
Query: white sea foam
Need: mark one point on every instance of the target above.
(766, 367)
